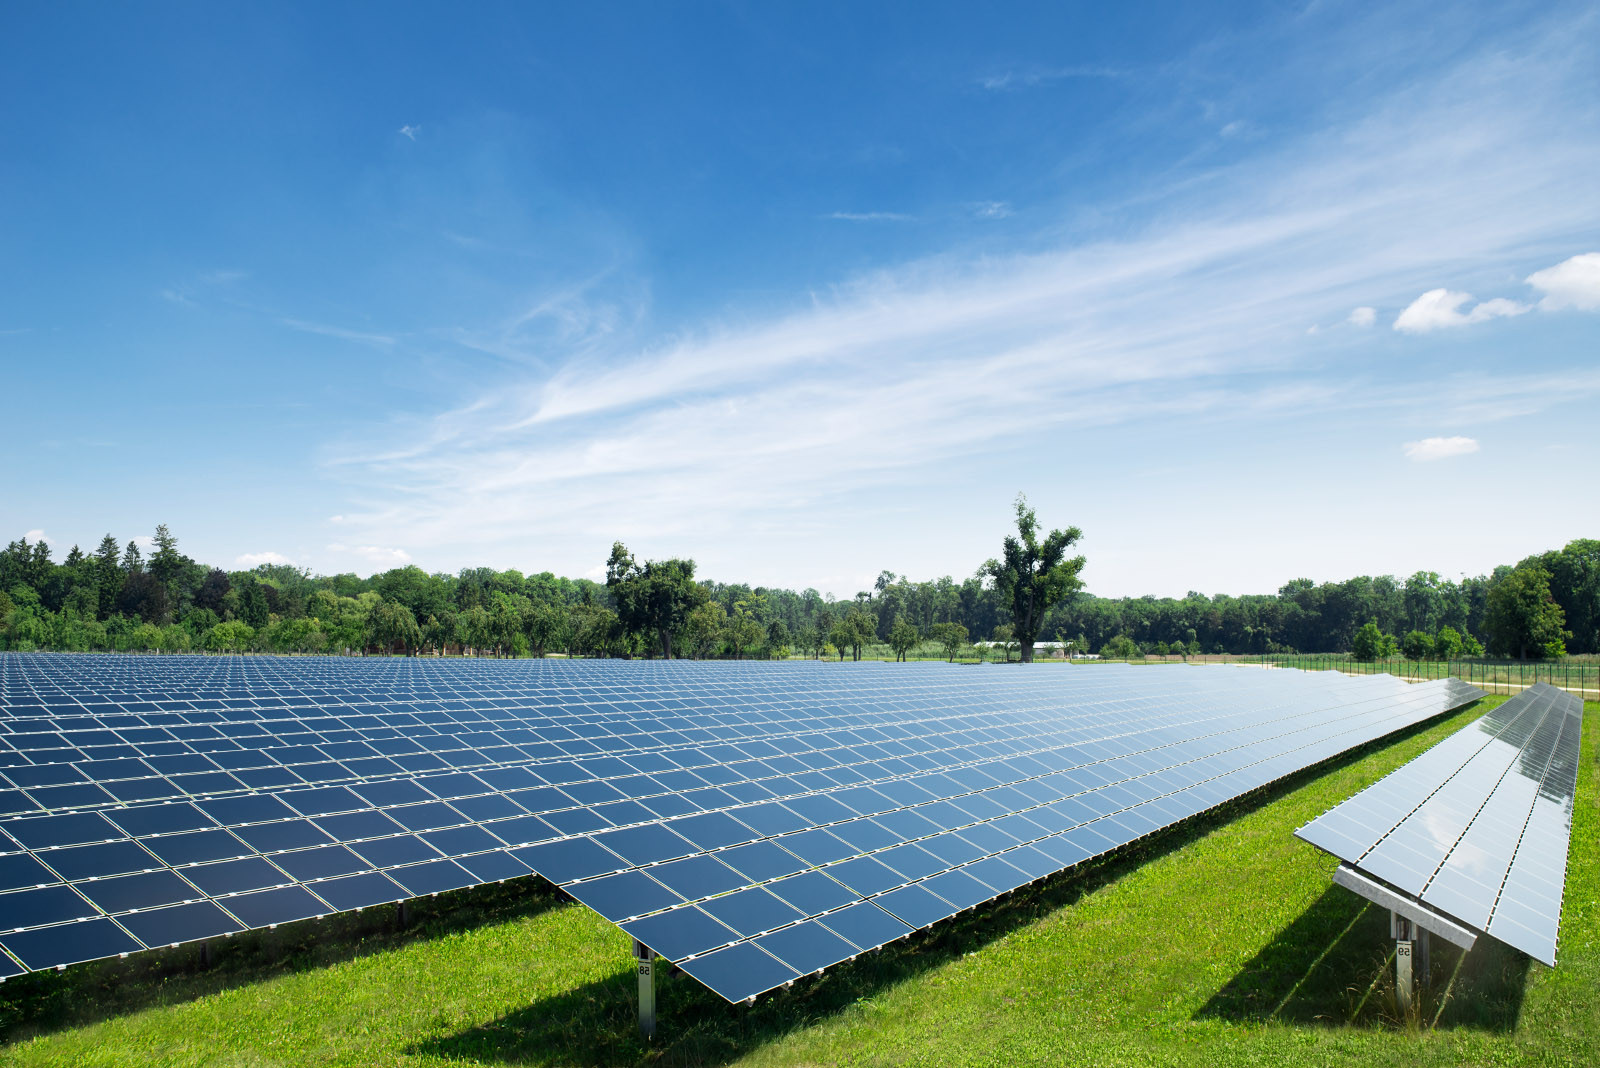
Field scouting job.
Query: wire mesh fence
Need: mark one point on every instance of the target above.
(1581, 677)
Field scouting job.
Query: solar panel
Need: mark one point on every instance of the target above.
(1477, 827)
(752, 822)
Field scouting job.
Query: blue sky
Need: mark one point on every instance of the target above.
(807, 291)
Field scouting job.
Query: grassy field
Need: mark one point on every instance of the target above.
(1220, 942)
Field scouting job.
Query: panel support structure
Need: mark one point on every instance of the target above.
(1411, 964)
(1405, 906)
(645, 958)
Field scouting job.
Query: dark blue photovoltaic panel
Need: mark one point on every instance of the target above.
(1478, 826)
(750, 821)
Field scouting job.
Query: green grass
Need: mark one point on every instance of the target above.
(1220, 942)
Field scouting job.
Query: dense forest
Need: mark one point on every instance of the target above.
(119, 598)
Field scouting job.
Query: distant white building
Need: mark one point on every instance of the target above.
(1056, 649)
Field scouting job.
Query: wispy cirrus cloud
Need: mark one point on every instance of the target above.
(888, 378)
(343, 334)
(190, 291)
(1030, 77)
(869, 216)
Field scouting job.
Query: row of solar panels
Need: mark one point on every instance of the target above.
(1476, 828)
(764, 818)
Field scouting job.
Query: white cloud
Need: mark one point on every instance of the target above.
(1439, 448)
(1362, 317)
(35, 535)
(992, 209)
(868, 216)
(410, 131)
(1572, 283)
(376, 554)
(250, 560)
(1440, 309)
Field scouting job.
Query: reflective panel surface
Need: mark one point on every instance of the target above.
(752, 822)
(1478, 826)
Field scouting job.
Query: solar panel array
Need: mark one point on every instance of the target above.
(1478, 826)
(752, 822)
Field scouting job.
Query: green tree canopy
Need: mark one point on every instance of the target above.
(743, 629)
(1031, 576)
(902, 636)
(860, 628)
(778, 637)
(703, 628)
(950, 636)
(1120, 647)
(655, 597)
(1416, 645)
(1368, 643)
(841, 636)
(1522, 618)
(392, 624)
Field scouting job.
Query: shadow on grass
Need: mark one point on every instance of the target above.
(596, 1024)
(42, 1002)
(1334, 965)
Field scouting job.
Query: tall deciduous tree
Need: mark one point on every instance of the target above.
(212, 590)
(1416, 646)
(902, 636)
(1032, 575)
(951, 636)
(393, 624)
(861, 628)
(1523, 619)
(1368, 642)
(703, 628)
(743, 628)
(655, 597)
(1575, 585)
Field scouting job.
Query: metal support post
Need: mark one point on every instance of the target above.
(402, 916)
(645, 957)
(1403, 931)
(205, 954)
(1424, 971)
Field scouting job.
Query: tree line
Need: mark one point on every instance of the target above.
(118, 597)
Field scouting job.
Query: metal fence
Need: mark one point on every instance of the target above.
(1493, 676)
